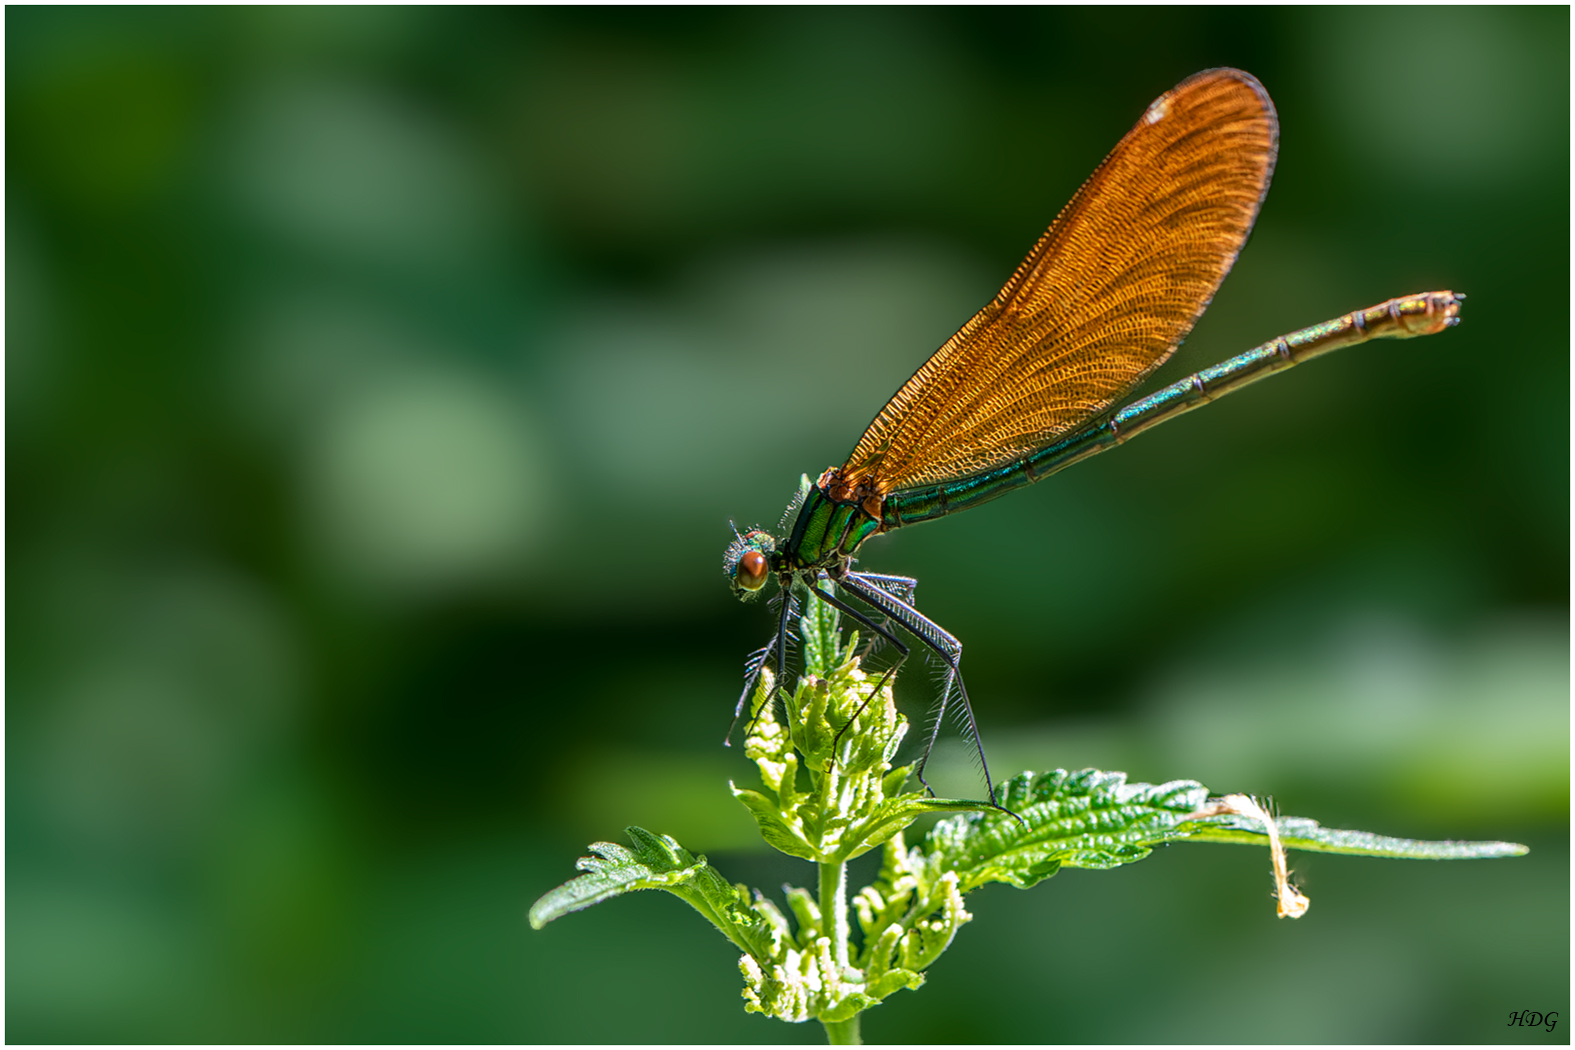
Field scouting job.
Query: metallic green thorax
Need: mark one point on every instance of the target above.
(826, 533)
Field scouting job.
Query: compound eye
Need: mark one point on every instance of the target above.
(751, 571)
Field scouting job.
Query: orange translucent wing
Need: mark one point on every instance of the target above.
(1107, 294)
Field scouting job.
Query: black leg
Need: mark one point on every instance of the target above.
(901, 587)
(757, 661)
(939, 641)
(784, 625)
(752, 668)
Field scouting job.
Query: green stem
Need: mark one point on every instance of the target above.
(834, 909)
(843, 1033)
(834, 920)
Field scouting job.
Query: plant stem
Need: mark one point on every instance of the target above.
(843, 1033)
(834, 920)
(834, 909)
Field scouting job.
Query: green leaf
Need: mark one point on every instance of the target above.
(1095, 819)
(612, 871)
(1087, 819)
(779, 832)
(820, 629)
(1303, 834)
(658, 862)
(895, 815)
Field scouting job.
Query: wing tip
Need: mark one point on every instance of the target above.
(1265, 103)
(1240, 76)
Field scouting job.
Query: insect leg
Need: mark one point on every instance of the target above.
(901, 587)
(752, 668)
(757, 662)
(939, 641)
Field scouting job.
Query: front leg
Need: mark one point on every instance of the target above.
(757, 662)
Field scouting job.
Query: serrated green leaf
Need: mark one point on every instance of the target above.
(820, 630)
(1086, 819)
(611, 871)
(658, 862)
(767, 910)
(1303, 834)
(1095, 819)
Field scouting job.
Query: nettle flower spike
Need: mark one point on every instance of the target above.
(830, 792)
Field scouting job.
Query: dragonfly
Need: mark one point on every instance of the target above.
(1030, 384)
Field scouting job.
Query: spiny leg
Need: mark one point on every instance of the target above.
(952, 679)
(784, 634)
(900, 587)
(752, 669)
(903, 588)
(944, 644)
(757, 662)
(939, 641)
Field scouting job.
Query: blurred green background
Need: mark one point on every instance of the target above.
(380, 384)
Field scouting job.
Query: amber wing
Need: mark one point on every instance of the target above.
(1107, 294)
